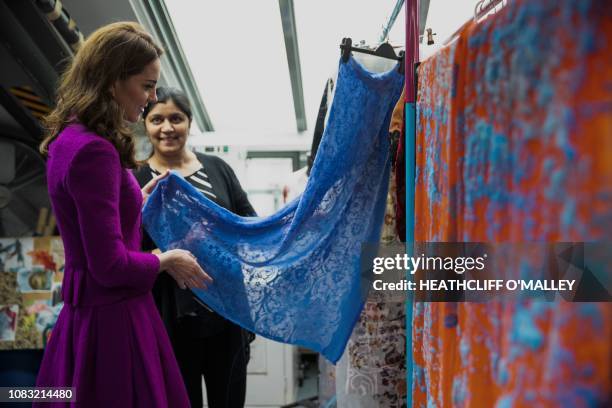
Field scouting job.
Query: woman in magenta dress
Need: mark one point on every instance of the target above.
(109, 342)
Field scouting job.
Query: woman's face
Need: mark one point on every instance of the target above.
(134, 92)
(167, 127)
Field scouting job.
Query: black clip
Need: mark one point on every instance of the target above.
(346, 47)
(430, 34)
(402, 62)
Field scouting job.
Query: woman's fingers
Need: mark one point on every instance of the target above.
(203, 276)
(200, 284)
(188, 273)
(150, 186)
(199, 273)
(163, 175)
(207, 278)
(195, 284)
(199, 278)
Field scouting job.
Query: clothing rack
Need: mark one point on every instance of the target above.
(392, 18)
(385, 50)
(483, 7)
(412, 54)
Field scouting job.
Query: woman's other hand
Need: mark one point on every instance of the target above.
(150, 186)
(184, 268)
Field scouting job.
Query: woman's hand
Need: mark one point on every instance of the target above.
(184, 268)
(150, 186)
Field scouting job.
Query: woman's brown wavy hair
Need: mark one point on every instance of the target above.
(113, 52)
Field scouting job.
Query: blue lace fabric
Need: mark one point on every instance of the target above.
(294, 276)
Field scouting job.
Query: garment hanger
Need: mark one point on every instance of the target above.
(384, 50)
(481, 10)
(483, 7)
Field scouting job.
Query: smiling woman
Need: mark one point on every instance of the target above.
(167, 123)
(205, 344)
(109, 342)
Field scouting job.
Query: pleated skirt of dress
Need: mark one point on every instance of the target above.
(115, 355)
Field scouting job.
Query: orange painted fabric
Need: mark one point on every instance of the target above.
(514, 144)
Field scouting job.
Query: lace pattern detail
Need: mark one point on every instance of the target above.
(295, 276)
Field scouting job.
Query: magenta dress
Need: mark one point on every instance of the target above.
(109, 341)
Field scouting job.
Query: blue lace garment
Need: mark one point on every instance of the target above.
(295, 276)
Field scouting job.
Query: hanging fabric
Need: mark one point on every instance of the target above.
(372, 371)
(397, 131)
(513, 145)
(295, 276)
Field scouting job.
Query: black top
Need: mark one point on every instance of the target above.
(199, 180)
(218, 182)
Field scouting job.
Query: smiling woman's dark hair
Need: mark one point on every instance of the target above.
(165, 94)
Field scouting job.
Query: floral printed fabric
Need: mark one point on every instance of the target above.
(372, 373)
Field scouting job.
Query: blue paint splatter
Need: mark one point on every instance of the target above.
(556, 188)
(568, 216)
(451, 320)
(587, 371)
(525, 331)
(502, 372)
(419, 377)
(504, 402)
(548, 165)
(464, 350)
(546, 92)
(592, 313)
(588, 397)
(459, 391)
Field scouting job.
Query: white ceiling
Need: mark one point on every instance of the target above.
(237, 55)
